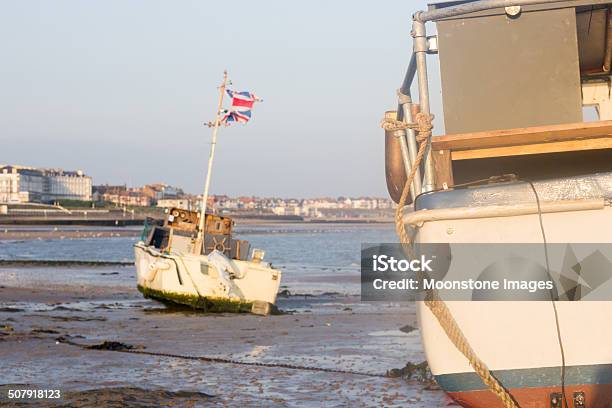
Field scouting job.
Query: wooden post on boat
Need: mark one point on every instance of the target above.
(199, 247)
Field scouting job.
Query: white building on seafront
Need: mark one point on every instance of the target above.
(181, 203)
(21, 184)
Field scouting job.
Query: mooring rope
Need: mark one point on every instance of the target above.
(221, 360)
(437, 306)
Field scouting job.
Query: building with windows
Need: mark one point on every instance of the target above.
(121, 196)
(181, 203)
(21, 184)
(161, 191)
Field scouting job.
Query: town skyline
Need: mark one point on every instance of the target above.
(165, 196)
(26, 185)
(95, 185)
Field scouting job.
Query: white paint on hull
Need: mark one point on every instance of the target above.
(198, 277)
(514, 335)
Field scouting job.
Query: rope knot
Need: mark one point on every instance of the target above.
(424, 125)
(391, 125)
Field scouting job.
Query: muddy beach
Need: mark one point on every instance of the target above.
(41, 331)
(83, 328)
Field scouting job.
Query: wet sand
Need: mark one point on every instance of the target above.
(7, 233)
(335, 333)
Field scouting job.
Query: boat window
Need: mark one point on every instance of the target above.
(160, 238)
(204, 268)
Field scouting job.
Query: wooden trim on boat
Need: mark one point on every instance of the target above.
(516, 142)
(443, 168)
(523, 136)
(418, 218)
(539, 148)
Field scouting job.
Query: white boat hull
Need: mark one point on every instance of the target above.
(518, 340)
(195, 281)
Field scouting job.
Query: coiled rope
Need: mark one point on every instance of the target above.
(423, 125)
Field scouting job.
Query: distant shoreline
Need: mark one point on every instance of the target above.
(120, 221)
(33, 229)
(249, 221)
(16, 234)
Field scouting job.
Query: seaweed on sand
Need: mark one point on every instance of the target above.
(419, 372)
(114, 346)
(205, 304)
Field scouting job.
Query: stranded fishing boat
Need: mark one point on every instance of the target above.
(193, 258)
(515, 77)
(218, 278)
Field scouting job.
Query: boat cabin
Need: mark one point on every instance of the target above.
(526, 90)
(179, 233)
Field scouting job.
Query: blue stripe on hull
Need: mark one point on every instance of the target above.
(529, 378)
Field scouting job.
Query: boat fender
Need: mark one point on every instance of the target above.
(394, 166)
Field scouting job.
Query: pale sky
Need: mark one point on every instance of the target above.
(120, 89)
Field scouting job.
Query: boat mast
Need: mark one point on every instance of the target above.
(200, 239)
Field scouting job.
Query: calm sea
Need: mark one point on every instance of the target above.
(314, 258)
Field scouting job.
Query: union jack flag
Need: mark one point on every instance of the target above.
(242, 104)
(235, 116)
